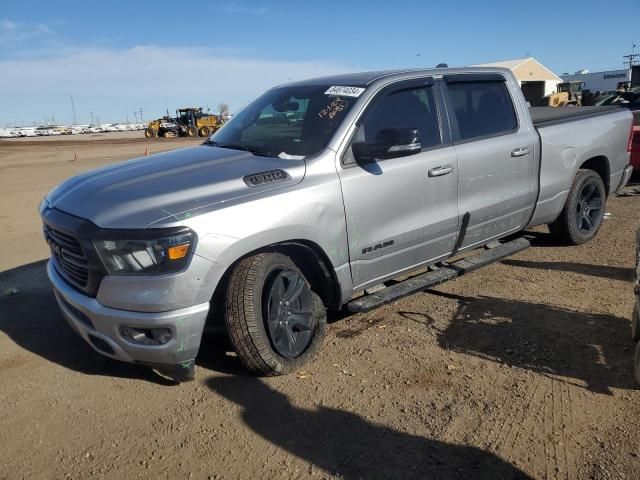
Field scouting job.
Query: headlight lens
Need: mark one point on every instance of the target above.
(145, 257)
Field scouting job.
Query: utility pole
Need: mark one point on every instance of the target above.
(631, 59)
(73, 107)
(92, 118)
(141, 120)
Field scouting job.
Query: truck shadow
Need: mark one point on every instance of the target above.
(594, 348)
(31, 318)
(351, 447)
(603, 271)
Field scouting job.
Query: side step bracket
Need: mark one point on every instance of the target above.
(432, 278)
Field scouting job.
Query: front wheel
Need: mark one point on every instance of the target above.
(191, 132)
(635, 324)
(583, 211)
(276, 323)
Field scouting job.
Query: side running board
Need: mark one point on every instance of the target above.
(493, 253)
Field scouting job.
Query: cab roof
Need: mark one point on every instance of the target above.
(364, 79)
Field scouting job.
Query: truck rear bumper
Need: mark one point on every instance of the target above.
(626, 175)
(159, 338)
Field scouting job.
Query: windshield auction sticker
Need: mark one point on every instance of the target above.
(345, 91)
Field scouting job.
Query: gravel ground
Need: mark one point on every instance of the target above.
(522, 369)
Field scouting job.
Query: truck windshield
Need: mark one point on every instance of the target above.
(287, 122)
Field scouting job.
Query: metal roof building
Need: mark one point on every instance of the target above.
(535, 79)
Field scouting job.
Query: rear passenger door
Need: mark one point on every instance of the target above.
(496, 155)
(401, 212)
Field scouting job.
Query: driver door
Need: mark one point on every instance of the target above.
(401, 212)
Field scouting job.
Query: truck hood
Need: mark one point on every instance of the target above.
(167, 186)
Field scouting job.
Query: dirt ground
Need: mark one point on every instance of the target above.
(522, 369)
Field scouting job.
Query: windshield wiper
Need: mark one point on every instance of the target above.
(247, 148)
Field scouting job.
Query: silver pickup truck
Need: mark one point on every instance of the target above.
(315, 196)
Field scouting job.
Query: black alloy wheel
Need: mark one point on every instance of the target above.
(289, 313)
(589, 208)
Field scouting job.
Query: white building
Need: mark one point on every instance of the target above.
(535, 79)
(600, 81)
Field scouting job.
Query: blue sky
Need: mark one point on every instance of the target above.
(119, 56)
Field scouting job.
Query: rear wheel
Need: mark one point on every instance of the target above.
(204, 131)
(636, 363)
(583, 211)
(191, 132)
(276, 323)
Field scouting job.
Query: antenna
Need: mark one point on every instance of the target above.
(631, 58)
(73, 107)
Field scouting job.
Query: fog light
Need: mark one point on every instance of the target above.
(146, 336)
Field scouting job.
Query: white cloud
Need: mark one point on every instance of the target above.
(14, 34)
(144, 74)
(114, 81)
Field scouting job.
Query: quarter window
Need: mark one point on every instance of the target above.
(482, 108)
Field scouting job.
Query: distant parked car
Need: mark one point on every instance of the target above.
(629, 99)
(27, 132)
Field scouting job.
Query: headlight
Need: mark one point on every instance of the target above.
(145, 257)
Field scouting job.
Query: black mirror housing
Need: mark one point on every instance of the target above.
(388, 143)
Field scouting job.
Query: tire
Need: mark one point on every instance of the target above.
(204, 131)
(636, 363)
(251, 299)
(149, 133)
(192, 132)
(583, 211)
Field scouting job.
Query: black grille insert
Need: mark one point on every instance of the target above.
(68, 255)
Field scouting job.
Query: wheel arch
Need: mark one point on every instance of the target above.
(308, 256)
(600, 165)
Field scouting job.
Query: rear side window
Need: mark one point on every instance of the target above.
(409, 108)
(482, 108)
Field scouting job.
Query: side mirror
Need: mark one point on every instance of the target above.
(388, 143)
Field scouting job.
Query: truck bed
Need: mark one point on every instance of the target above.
(545, 116)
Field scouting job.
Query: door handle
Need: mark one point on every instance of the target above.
(439, 171)
(520, 152)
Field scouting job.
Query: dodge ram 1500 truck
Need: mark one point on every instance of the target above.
(311, 198)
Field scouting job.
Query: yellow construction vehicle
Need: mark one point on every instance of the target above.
(189, 122)
(568, 94)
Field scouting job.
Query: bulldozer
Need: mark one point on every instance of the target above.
(189, 122)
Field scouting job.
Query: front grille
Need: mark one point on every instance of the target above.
(69, 256)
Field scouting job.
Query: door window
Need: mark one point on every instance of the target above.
(410, 108)
(482, 108)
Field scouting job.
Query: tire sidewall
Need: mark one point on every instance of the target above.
(582, 178)
(281, 365)
(636, 363)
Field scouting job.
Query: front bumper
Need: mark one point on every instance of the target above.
(101, 326)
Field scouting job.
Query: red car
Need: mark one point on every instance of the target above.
(634, 141)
